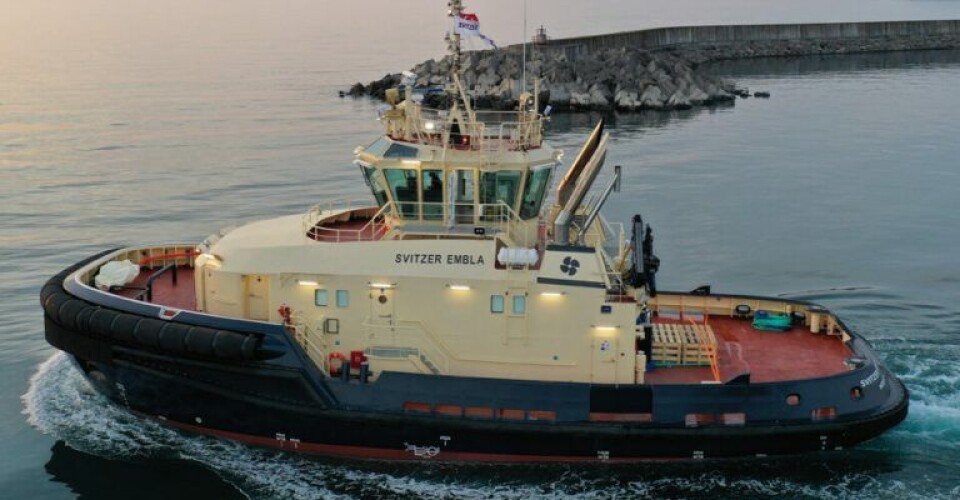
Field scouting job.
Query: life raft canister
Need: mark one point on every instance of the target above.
(335, 363)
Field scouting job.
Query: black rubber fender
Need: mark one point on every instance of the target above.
(173, 337)
(122, 328)
(83, 319)
(101, 321)
(66, 313)
(147, 333)
(69, 312)
(199, 341)
(53, 303)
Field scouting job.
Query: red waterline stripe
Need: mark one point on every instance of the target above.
(366, 452)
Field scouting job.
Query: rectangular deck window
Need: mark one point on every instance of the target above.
(320, 298)
(519, 304)
(496, 304)
(343, 298)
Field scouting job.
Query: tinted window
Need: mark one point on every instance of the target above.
(378, 147)
(375, 181)
(432, 182)
(403, 184)
(499, 187)
(534, 191)
(401, 151)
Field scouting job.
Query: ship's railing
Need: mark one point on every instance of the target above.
(375, 228)
(313, 347)
(437, 219)
(430, 350)
(476, 214)
(490, 131)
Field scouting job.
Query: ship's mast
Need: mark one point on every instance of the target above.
(457, 92)
(453, 41)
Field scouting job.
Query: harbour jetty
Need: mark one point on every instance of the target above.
(657, 69)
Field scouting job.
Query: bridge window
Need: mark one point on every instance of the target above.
(378, 147)
(401, 151)
(533, 192)
(432, 182)
(403, 185)
(375, 182)
(499, 187)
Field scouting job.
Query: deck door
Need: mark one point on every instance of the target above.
(604, 369)
(257, 297)
(382, 306)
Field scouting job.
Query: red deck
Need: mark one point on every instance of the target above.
(180, 296)
(766, 356)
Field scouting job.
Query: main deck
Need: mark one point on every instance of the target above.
(741, 349)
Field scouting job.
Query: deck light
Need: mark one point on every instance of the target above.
(552, 294)
(605, 328)
(429, 126)
(308, 283)
(459, 288)
(412, 163)
(382, 285)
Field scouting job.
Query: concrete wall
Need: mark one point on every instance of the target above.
(657, 38)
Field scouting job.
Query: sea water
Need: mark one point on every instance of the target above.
(130, 122)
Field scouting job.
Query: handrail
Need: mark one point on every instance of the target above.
(485, 131)
(430, 341)
(153, 277)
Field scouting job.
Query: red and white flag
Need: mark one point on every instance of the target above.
(468, 25)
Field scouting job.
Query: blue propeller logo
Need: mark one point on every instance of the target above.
(570, 266)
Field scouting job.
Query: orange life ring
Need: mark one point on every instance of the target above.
(335, 362)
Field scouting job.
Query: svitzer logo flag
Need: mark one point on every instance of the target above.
(468, 25)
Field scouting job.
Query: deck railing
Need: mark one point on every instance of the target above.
(491, 131)
(413, 218)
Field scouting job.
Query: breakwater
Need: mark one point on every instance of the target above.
(661, 68)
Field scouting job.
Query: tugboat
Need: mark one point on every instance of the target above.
(457, 316)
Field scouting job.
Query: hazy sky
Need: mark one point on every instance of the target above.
(363, 33)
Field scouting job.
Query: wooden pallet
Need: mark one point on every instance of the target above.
(675, 344)
(667, 344)
(699, 345)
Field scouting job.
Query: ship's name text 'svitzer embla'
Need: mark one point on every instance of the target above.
(436, 258)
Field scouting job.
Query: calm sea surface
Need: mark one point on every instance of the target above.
(131, 121)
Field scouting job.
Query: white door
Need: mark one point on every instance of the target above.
(258, 297)
(604, 370)
(382, 306)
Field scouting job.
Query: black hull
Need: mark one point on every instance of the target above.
(197, 407)
(282, 401)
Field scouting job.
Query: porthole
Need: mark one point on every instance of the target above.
(382, 299)
(793, 400)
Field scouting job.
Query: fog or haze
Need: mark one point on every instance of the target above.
(44, 31)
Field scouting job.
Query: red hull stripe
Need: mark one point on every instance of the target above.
(365, 452)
